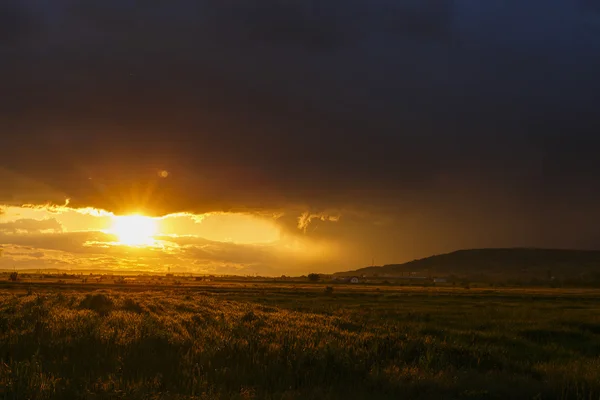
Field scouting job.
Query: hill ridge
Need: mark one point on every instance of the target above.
(502, 261)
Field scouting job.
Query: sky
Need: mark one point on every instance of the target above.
(295, 136)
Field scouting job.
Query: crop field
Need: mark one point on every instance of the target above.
(297, 342)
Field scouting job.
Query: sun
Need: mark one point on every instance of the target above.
(134, 230)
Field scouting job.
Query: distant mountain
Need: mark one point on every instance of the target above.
(502, 263)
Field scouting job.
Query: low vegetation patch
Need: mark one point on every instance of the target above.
(101, 303)
(298, 344)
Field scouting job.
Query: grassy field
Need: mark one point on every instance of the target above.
(297, 342)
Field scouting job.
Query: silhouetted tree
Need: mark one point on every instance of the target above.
(313, 277)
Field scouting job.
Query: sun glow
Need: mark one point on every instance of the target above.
(134, 230)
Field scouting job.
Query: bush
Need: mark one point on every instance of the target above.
(14, 276)
(313, 277)
(249, 317)
(100, 303)
(329, 290)
(131, 305)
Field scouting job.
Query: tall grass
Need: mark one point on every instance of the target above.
(297, 345)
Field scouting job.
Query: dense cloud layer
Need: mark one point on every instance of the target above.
(428, 122)
(216, 243)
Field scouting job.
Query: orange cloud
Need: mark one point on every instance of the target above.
(31, 226)
(305, 219)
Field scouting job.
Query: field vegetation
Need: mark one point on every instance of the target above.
(294, 342)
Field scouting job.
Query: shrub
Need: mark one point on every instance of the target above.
(329, 290)
(14, 276)
(131, 305)
(313, 277)
(249, 317)
(100, 303)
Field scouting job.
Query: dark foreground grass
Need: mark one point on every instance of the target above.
(271, 343)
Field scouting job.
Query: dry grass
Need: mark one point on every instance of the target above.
(277, 343)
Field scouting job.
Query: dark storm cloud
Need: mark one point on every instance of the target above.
(380, 106)
(590, 6)
(17, 188)
(17, 23)
(309, 25)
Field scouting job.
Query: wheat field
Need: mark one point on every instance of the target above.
(270, 342)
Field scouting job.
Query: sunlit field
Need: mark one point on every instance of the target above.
(262, 341)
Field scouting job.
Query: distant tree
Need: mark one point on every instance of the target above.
(313, 277)
(14, 276)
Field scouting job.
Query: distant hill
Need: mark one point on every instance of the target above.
(502, 263)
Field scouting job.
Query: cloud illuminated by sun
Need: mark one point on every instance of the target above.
(134, 230)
